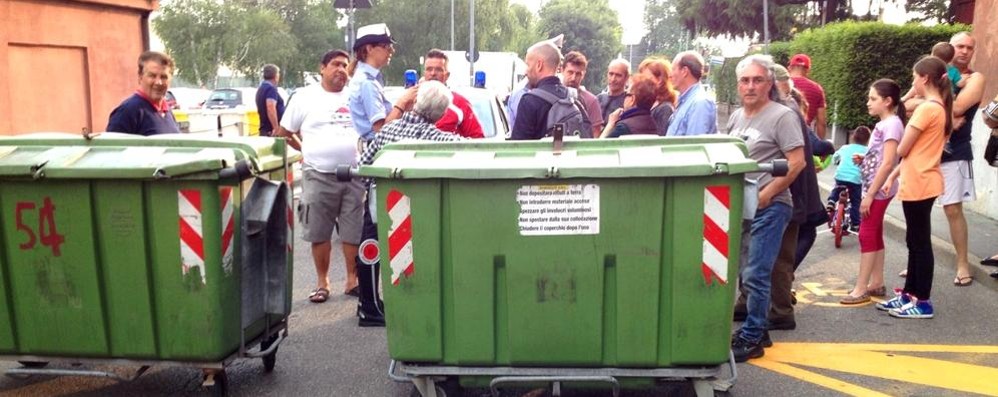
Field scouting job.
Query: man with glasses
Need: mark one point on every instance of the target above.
(771, 131)
(696, 113)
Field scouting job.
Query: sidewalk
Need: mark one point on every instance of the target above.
(983, 236)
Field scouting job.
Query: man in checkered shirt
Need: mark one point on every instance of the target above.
(417, 124)
(432, 100)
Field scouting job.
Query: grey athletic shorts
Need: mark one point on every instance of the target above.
(327, 204)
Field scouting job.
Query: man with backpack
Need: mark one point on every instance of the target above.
(549, 104)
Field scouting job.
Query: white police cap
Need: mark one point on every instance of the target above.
(373, 34)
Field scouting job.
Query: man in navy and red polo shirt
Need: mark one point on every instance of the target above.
(146, 112)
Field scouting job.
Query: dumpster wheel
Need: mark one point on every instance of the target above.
(270, 359)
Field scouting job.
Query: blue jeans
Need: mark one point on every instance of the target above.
(763, 247)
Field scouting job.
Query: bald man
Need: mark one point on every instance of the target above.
(531, 114)
(956, 167)
(617, 75)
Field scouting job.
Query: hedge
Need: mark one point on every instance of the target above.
(846, 57)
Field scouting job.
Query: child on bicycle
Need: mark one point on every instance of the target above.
(883, 102)
(848, 176)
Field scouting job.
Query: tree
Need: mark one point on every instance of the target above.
(525, 29)
(745, 17)
(194, 33)
(666, 33)
(203, 35)
(589, 26)
(420, 25)
(313, 25)
(931, 10)
(259, 36)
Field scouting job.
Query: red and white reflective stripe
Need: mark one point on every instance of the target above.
(716, 225)
(399, 236)
(228, 228)
(191, 232)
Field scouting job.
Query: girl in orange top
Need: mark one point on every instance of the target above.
(921, 150)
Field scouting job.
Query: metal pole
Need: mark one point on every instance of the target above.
(452, 25)
(765, 25)
(352, 33)
(471, 41)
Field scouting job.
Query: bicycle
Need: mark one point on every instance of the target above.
(839, 216)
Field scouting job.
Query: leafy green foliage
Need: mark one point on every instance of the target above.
(420, 25)
(589, 26)
(203, 35)
(847, 57)
(666, 33)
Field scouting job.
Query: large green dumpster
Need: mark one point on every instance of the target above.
(620, 253)
(132, 247)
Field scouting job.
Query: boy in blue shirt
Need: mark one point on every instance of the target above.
(848, 174)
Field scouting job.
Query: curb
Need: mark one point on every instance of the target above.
(943, 250)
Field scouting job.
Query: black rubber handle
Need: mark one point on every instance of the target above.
(240, 170)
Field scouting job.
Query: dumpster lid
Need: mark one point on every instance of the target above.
(124, 156)
(635, 156)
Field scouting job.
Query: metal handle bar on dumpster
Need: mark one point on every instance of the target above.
(240, 170)
(778, 167)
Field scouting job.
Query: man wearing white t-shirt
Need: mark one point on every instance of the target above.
(317, 122)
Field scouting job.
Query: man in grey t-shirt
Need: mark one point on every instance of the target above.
(771, 131)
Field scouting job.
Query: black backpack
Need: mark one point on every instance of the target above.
(568, 112)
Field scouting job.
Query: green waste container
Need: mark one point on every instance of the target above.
(125, 247)
(608, 254)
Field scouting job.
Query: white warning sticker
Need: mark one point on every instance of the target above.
(552, 210)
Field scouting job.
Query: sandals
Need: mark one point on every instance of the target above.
(855, 300)
(319, 295)
(963, 281)
(354, 292)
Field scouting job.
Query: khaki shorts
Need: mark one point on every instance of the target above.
(328, 204)
(958, 182)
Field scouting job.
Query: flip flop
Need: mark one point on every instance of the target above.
(354, 292)
(963, 281)
(318, 295)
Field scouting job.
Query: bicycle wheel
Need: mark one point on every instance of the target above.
(838, 225)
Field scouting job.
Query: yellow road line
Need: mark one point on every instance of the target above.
(886, 361)
(818, 379)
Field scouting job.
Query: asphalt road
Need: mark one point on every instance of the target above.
(327, 354)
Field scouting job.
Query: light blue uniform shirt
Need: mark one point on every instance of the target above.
(367, 100)
(696, 114)
(847, 171)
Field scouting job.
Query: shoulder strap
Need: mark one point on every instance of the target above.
(545, 95)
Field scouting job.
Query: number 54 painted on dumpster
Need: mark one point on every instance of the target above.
(46, 231)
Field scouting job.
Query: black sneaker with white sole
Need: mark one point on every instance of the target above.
(744, 350)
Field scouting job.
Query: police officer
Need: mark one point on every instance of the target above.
(369, 111)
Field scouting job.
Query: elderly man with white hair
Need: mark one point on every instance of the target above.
(432, 100)
(771, 131)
